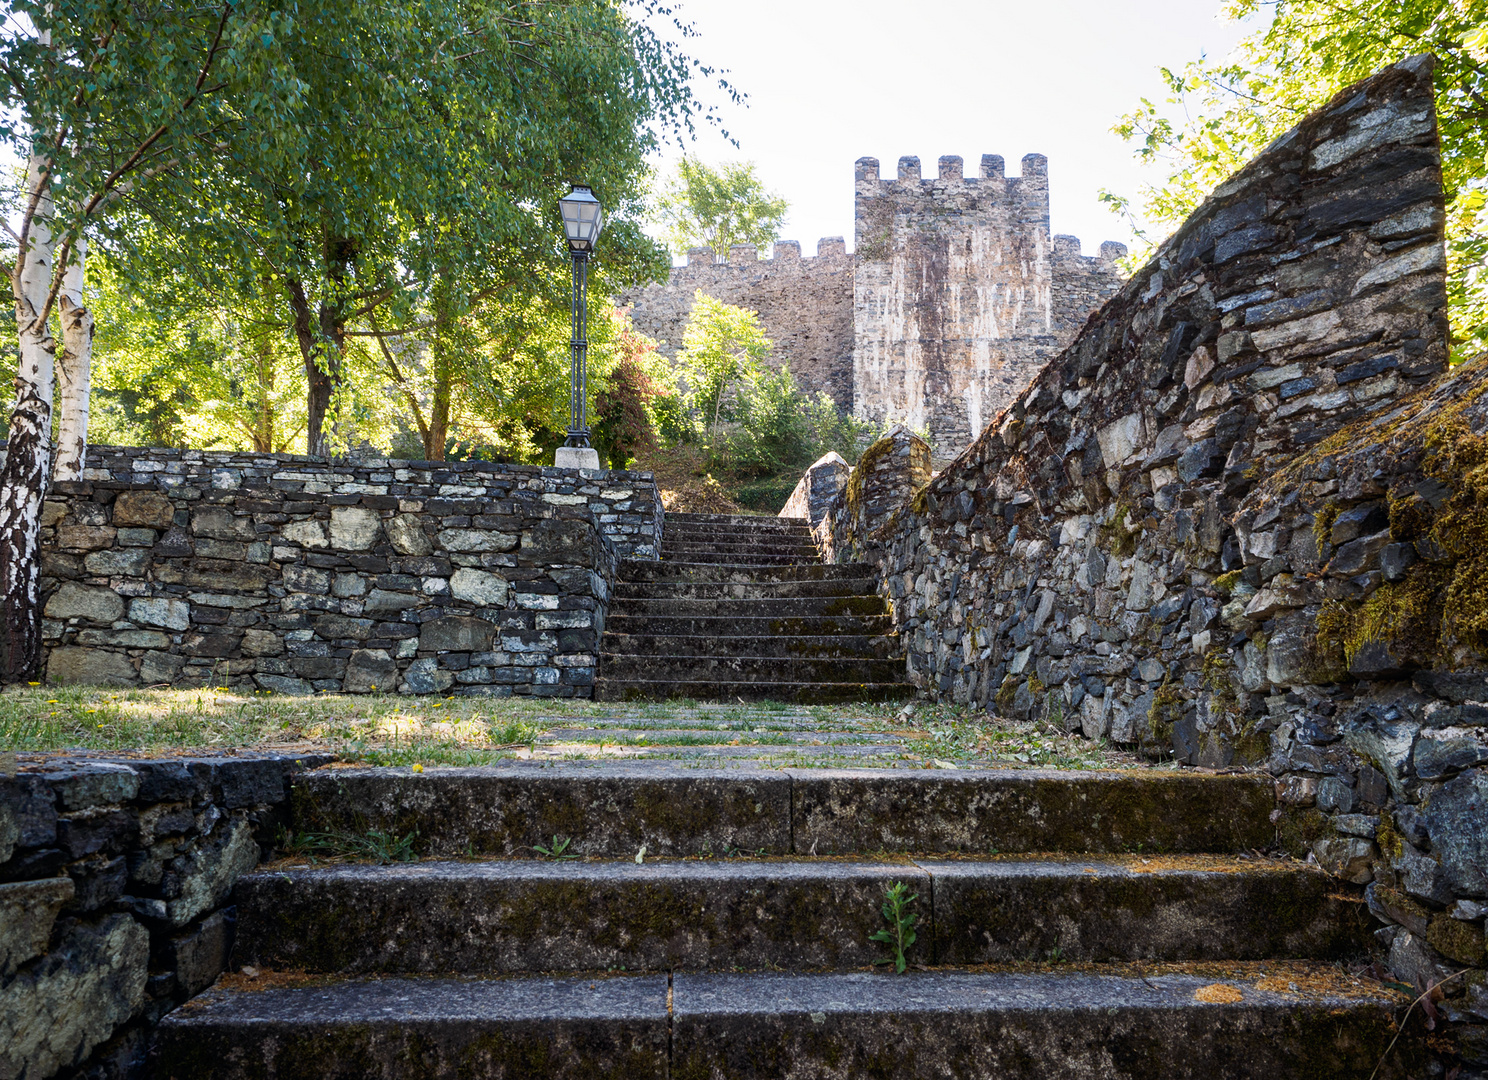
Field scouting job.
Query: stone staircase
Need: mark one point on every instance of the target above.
(718, 924)
(742, 608)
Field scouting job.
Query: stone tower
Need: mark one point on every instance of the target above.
(960, 294)
(954, 297)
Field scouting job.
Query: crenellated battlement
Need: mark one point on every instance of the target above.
(951, 170)
(747, 257)
(954, 293)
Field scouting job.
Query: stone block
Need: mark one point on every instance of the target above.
(284, 684)
(130, 562)
(406, 534)
(425, 677)
(369, 670)
(77, 601)
(160, 667)
(479, 587)
(1457, 822)
(354, 528)
(145, 509)
(456, 633)
(201, 878)
(340, 628)
(220, 523)
(28, 911)
(90, 667)
(382, 603)
(202, 954)
(53, 1013)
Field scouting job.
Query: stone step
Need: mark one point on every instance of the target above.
(520, 915)
(758, 626)
(638, 570)
(1077, 1025)
(841, 646)
(675, 549)
(687, 528)
(717, 558)
(799, 693)
(639, 667)
(736, 521)
(611, 811)
(735, 590)
(783, 608)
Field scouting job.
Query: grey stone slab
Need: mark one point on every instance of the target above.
(396, 1029)
(836, 812)
(994, 911)
(506, 810)
(522, 915)
(985, 1026)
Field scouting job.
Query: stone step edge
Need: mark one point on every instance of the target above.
(1166, 1022)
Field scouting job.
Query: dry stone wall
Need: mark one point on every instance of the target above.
(115, 888)
(1239, 523)
(286, 574)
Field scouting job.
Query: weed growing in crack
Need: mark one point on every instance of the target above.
(901, 935)
(372, 846)
(558, 849)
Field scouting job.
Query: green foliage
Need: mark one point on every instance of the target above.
(1215, 117)
(703, 206)
(901, 933)
(637, 380)
(720, 343)
(557, 850)
(374, 845)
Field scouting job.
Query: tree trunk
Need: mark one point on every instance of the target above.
(441, 367)
(263, 421)
(319, 378)
(23, 479)
(74, 373)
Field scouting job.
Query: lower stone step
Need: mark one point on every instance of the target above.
(797, 693)
(674, 811)
(725, 558)
(669, 570)
(521, 915)
(969, 1025)
(840, 646)
(748, 626)
(647, 667)
(760, 609)
(734, 590)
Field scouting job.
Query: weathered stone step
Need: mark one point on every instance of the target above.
(638, 570)
(785, 607)
(674, 549)
(618, 622)
(736, 590)
(711, 532)
(736, 521)
(973, 1025)
(718, 558)
(615, 809)
(843, 646)
(692, 667)
(523, 916)
(650, 688)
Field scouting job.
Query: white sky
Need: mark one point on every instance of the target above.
(830, 81)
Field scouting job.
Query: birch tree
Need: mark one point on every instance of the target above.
(103, 104)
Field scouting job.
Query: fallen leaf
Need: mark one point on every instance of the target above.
(1218, 994)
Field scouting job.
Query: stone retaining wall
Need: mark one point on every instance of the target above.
(1239, 522)
(286, 574)
(114, 882)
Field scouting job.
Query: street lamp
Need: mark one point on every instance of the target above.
(583, 218)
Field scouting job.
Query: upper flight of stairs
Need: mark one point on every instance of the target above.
(1124, 929)
(743, 608)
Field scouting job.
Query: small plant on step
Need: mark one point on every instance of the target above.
(901, 934)
(372, 846)
(558, 849)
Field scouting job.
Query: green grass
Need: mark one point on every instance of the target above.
(394, 730)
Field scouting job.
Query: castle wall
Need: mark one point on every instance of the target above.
(960, 294)
(1238, 522)
(804, 304)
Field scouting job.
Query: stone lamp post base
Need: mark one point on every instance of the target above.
(576, 457)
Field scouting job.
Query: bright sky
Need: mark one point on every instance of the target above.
(830, 81)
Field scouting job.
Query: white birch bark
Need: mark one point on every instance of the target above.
(23, 479)
(74, 373)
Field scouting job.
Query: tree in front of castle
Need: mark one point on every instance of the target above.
(704, 206)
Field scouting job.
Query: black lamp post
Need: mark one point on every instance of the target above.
(583, 217)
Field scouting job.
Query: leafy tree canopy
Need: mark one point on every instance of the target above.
(1216, 116)
(703, 206)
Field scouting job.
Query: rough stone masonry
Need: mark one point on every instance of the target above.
(1240, 521)
(953, 298)
(288, 574)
